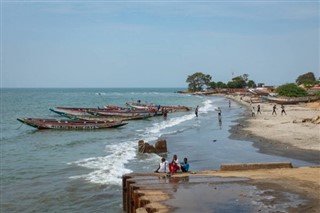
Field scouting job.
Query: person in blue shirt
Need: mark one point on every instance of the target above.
(185, 165)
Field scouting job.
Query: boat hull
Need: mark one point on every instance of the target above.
(40, 123)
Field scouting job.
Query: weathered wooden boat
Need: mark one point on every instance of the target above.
(106, 110)
(158, 108)
(41, 123)
(288, 100)
(97, 117)
(128, 115)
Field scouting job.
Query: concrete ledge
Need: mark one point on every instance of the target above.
(253, 166)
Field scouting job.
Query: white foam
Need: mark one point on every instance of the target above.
(208, 106)
(109, 169)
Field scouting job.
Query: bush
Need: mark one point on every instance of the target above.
(291, 90)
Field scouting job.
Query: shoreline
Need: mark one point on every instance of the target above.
(245, 129)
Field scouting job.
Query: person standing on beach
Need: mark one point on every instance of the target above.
(219, 115)
(258, 109)
(274, 109)
(282, 110)
(253, 112)
(229, 104)
(196, 110)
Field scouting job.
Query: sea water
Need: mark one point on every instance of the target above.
(80, 171)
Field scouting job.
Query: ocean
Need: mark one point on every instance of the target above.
(80, 171)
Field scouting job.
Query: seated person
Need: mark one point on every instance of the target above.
(174, 165)
(185, 165)
(162, 166)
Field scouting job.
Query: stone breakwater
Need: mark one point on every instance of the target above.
(249, 187)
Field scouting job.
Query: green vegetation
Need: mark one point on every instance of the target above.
(291, 90)
(307, 79)
(197, 81)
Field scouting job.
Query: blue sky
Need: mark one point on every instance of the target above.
(156, 43)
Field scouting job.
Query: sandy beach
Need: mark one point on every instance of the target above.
(295, 134)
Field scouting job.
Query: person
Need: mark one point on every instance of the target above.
(283, 111)
(274, 110)
(174, 165)
(196, 110)
(162, 166)
(219, 114)
(258, 109)
(185, 165)
(229, 104)
(165, 113)
(253, 112)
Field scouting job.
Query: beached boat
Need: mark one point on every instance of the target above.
(106, 110)
(291, 100)
(97, 117)
(41, 123)
(159, 108)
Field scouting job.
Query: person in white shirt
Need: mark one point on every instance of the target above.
(162, 166)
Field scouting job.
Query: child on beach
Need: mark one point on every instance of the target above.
(253, 112)
(283, 111)
(162, 166)
(274, 110)
(258, 109)
(174, 165)
(185, 165)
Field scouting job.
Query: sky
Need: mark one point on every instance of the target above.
(101, 44)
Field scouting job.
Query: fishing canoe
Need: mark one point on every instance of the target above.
(291, 100)
(41, 123)
(158, 107)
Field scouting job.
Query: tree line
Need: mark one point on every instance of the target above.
(199, 81)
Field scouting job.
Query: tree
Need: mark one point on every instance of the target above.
(291, 90)
(306, 78)
(220, 84)
(237, 82)
(212, 85)
(197, 81)
(251, 84)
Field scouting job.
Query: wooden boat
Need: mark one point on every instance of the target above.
(41, 123)
(97, 117)
(291, 100)
(158, 107)
(106, 110)
(103, 115)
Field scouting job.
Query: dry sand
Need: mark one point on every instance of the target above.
(285, 135)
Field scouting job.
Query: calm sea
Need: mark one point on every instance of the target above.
(80, 171)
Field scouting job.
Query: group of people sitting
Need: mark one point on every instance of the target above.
(174, 166)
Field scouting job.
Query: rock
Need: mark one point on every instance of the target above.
(160, 146)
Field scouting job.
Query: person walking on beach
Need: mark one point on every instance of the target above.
(282, 110)
(253, 112)
(274, 109)
(162, 166)
(258, 109)
(196, 110)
